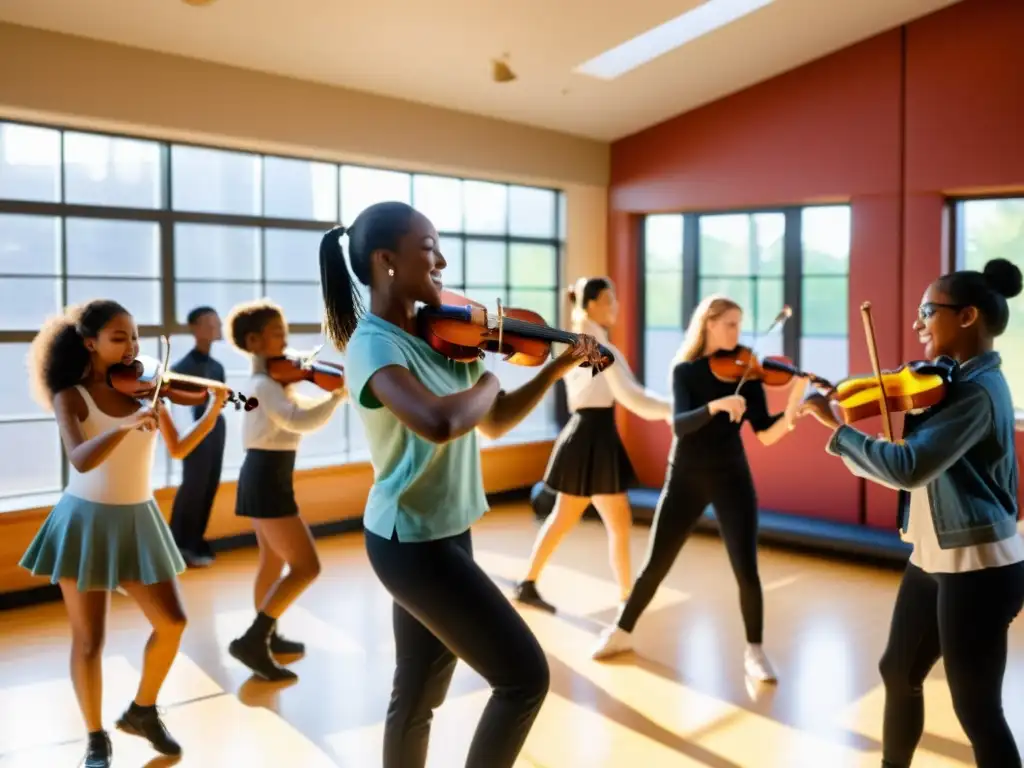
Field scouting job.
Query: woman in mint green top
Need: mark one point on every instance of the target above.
(421, 412)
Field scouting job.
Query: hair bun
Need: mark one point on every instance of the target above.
(1003, 277)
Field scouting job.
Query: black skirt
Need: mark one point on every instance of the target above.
(265, 487)
(588, 458)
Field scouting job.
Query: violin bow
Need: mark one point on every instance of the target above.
(166, 344)
(780, 319)
(869, 332)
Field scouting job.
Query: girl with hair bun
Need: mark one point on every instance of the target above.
(107, 532)
(964, 583)
(589, 463)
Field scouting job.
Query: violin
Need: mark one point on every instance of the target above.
(464, 331)
(292, 367)
(742, 365)
(145, 378)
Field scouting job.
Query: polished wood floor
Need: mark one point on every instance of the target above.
(680, 700)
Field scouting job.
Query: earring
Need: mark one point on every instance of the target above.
(391, 273)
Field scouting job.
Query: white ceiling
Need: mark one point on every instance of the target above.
(438, 52)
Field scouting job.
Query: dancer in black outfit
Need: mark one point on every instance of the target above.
(964, 583)
(708, 465)
(201, 469)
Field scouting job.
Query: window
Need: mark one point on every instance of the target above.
(992, 229)
(164, 228)
(763, 260)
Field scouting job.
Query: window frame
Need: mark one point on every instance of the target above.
(166, 217)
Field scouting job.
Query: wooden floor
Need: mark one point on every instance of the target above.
(680, 700)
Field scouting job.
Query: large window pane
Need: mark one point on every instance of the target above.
(292, 254)
(107, 247)
(562, 216)
(742, 244)
(299, 189)
(300, 303)
(486, 207)
(439, 198)
(739, 289)
(533, 265)
(826, 356)
(663, 300)
(995, 229)
(29, 245)
(215, 252)
(660, 347)
(531, 212)
(220, 296)
(140, 297)
(485, 263)
(35, 467)
(663, 243)
(825, 306)
(363, 187)
(15, 394)
(215, 181)
(825, 234)
(26, 302)
(29, 163)
(824, 289)
(543, 302)
(107, 170)
(768, 302)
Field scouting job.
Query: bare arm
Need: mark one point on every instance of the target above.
(87, 454)
(293, 412)
(437, 419)
(634, 397)
(179, 446)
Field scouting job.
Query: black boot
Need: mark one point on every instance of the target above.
(526, 592)
(285, 647)
(253, 650)
(146, 722)
(99, 753)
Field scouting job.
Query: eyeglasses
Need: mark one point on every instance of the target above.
(928, 309)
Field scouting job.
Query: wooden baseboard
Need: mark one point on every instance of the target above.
(330, 498)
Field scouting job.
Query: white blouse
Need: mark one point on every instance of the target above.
(283, 415)
(614, 384)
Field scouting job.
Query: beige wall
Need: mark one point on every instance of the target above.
(55, 78)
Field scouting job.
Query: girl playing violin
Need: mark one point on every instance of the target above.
(421, 412)
(708, 465)
(106, 532)
(271, 435)
(964, 583)
(589, 462)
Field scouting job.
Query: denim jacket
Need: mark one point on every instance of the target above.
(961, 450)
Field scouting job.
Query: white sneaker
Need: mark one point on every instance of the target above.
(613, 640)
(757, 666)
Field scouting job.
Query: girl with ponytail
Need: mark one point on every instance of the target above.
(107, 532)
(421, 412)
(957, 471)
(589, 463)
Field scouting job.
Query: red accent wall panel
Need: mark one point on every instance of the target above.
(891, 125)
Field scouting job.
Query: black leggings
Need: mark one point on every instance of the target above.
(963, 617)
(685, 495)
(447, 607)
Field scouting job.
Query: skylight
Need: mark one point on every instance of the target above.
(666, 37)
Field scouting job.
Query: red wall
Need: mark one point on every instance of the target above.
(891, 125)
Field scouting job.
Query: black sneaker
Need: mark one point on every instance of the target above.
(284, 647)
(146, 722)
(99, 753)
(526, 592)
(255, 654)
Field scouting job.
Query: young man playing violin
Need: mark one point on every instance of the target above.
(965, 581)
(201, 469)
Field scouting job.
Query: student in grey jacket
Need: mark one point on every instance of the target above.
(964, 584)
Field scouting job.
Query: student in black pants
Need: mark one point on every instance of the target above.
(201, 469)
(708, 465)
(421, 412)
(964, 583)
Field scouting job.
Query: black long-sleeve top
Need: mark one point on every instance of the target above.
(200, 364)
(703, 438)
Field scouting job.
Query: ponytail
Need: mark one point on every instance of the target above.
(58, 358)
(343, 305)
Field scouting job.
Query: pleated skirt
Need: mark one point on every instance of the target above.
(588, 458)
(265, 487)
(101, 546)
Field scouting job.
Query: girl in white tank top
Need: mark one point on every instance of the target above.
(107, 532)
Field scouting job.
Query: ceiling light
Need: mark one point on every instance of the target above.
(658, 41)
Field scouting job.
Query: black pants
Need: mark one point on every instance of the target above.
(199, 482)
(687, 492)
(447, 607)
(963, 617)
